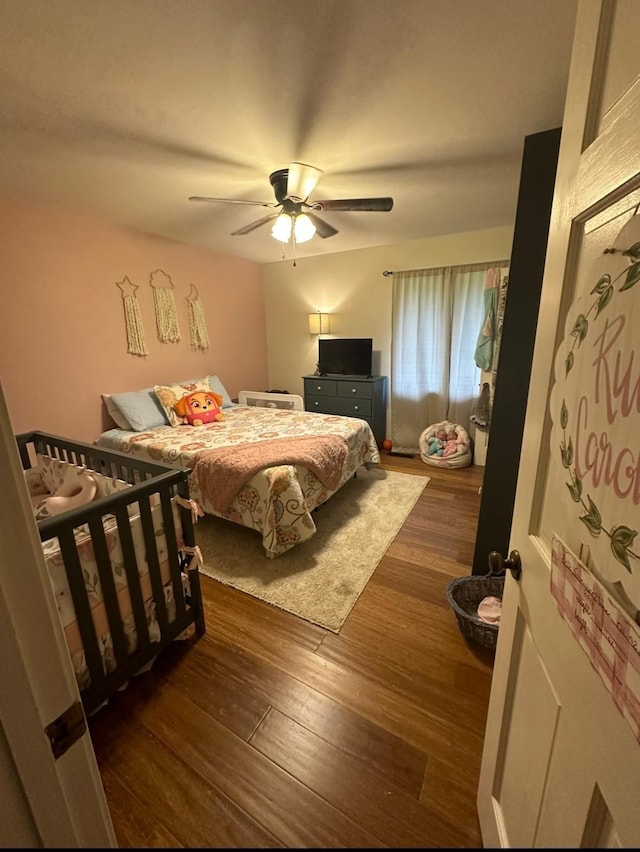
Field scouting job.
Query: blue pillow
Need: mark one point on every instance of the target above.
(141, 408)
(217, 387)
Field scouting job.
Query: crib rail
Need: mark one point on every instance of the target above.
(146, 479)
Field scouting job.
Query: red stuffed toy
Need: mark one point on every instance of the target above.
(199, 408)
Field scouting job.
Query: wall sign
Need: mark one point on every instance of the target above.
(595, 408)
(595, 462)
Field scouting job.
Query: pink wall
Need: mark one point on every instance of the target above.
(62, 331)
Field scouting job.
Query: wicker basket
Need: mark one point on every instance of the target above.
(464, 594)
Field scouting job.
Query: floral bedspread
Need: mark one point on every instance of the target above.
(277, 501)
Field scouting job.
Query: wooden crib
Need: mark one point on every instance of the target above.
(123, 566)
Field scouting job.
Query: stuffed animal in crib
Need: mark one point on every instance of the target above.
(436, 443)
(199, 407)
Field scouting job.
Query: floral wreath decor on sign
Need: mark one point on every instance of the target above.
(621, 536)
(604, 293)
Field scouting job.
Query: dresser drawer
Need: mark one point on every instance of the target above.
(355, 390)
(353, 407)
(323, 404)
(338, 405)
(320, 387)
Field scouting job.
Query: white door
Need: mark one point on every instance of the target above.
(561, 761)
(44, 800)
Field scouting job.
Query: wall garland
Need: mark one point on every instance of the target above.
(197, 325)
(165, 313)
(136, 341)
(165, 307)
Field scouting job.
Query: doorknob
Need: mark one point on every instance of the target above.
(498, 564)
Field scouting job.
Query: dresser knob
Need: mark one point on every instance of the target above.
(316, 404)
(355, 407)
(319, 387)
(353, 390)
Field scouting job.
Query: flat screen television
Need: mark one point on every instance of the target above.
(345, 356)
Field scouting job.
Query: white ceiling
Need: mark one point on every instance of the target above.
(125, 108)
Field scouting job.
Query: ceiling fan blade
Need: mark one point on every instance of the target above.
(323, 229)
(373, 204)
(248, 228)
(302, 180)
(232, 201)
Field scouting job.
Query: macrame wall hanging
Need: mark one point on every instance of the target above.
(136, 342)
(165, 307)
(197, 325)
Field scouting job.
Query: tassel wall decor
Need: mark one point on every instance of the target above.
(165, 307)
(197, 325)
(136, 342)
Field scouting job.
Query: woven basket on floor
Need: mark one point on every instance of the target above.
(464, 594)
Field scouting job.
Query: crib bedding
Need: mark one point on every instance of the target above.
(42, 481)
(123, 563)
(284, 464)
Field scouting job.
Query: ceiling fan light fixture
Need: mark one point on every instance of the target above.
(304, 228)
(281, 230)
(292, 187)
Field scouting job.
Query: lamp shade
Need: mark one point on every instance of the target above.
(304, 228)
(319, 323)
(282, 228)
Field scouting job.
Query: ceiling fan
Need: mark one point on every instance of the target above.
(294, 212)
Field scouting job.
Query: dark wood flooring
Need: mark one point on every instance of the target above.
(270, 731)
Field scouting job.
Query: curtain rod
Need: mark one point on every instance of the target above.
(469, 267)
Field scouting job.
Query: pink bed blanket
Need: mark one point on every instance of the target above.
(221, 472)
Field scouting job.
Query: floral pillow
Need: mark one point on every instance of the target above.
(168, 395)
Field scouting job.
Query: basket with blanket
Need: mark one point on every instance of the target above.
(119, 547)
(476, 601)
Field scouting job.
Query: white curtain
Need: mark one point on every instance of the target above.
(436, 318)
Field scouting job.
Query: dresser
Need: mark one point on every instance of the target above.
(354, 396)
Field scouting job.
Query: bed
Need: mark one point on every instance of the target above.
(119, 547)
(261, 467)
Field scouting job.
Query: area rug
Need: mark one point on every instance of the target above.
(321, 579)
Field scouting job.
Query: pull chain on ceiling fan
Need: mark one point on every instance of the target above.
(297, 215)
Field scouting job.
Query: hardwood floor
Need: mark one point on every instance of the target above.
(271, 731)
